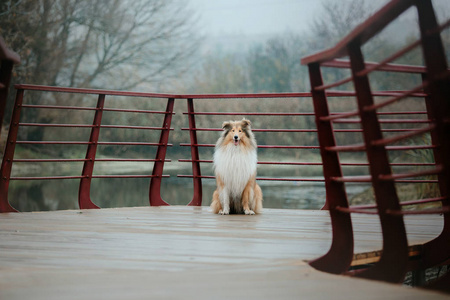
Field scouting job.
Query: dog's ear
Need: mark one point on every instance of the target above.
(226, 126)
(245, 123)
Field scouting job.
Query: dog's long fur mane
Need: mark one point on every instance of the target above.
(235, 166)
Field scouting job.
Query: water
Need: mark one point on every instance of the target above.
(44, 195)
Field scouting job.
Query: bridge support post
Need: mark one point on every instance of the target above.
(340, 255)
(84, 198)
(155, 182)
(196, 172)
(8, 155)
(392, 264)
(437, 250)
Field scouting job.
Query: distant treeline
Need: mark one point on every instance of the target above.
(148, 45)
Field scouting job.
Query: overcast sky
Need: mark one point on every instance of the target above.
(251, 17)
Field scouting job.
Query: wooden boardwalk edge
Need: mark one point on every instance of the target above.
(182, 253)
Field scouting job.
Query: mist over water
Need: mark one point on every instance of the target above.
(40, 195)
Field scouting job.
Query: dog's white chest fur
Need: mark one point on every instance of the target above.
(235, 167)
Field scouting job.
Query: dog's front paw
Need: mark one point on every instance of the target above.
(249, 212)
(225, 211)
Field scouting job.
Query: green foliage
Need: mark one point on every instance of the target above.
(269, 68)
(222, 75)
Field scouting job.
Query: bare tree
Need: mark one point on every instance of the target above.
(338, 19)
(99, 43)
(110, 44)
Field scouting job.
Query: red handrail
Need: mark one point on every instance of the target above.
(435, 88)
(155, 179)
(92, 144)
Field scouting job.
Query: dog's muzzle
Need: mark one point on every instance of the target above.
(236, 140)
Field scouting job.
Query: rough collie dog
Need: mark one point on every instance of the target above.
(235, 162)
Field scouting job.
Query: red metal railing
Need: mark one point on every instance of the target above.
(296, 146)
(92, 144)
(294, 97)
(436, 85)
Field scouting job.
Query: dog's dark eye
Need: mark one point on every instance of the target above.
(240, 130)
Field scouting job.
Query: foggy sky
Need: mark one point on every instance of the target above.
(254, 16)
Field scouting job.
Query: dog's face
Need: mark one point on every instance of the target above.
(236, 132)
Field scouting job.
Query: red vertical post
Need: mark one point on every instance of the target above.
(155, 182)
(8, 155)
(84, 192)
(437, 250)
(392, 264)
(196, 172)
(438, 106)
(5, 80)
(340, 255)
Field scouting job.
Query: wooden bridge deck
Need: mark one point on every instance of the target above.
(185, 252)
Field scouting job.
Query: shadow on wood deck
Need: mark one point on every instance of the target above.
(186, 252)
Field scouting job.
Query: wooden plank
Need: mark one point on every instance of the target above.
(183, 252)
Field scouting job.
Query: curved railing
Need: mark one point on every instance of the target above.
(292, 141)
(394, 261)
